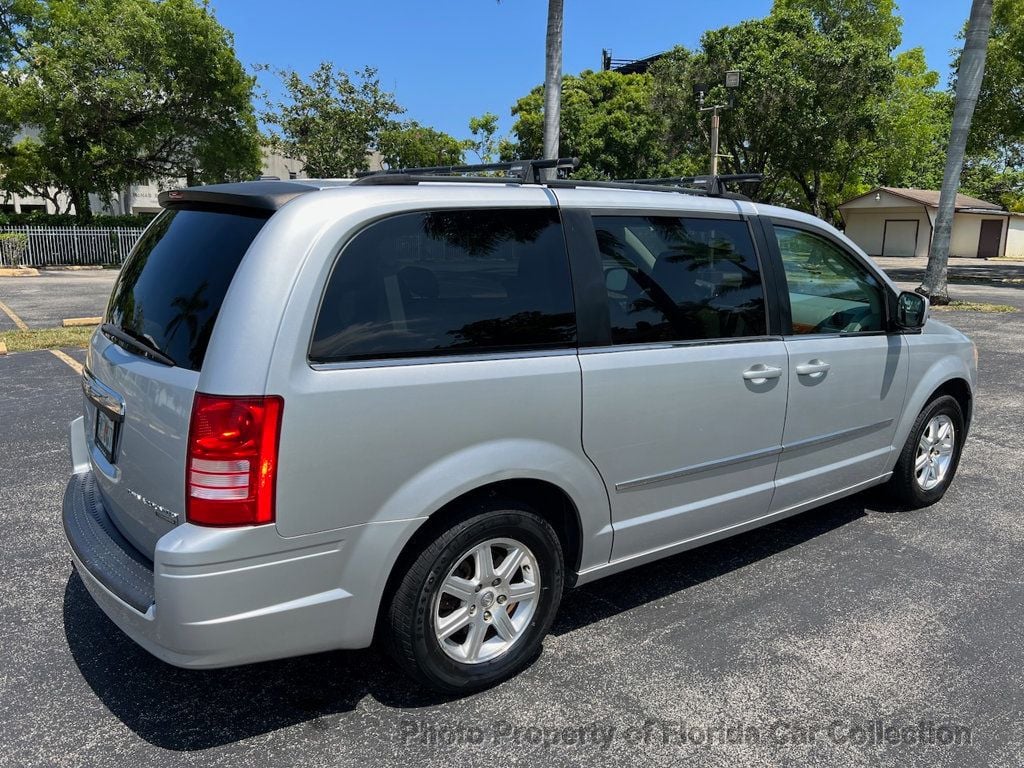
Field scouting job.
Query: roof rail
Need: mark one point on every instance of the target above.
(709, 185)
(521, 171)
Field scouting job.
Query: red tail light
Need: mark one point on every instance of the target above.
(231, 467)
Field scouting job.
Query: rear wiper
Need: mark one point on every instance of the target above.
(138, 344)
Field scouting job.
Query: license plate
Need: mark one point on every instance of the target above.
(106, 434)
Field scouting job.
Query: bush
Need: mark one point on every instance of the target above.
(43, 219)
(12, 248)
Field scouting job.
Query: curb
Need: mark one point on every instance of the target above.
(3, 349)
(75, 322)
(19, 272)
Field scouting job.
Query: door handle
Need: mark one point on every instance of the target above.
(813, 368)
(760, 373)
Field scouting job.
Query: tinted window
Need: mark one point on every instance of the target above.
(829, 291)
(448, 282)
(172, 285)
(679, 279)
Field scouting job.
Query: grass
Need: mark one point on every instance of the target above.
(47, 338)
(974, 306)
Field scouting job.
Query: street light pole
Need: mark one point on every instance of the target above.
(732, 81)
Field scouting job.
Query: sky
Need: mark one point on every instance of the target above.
(449, 60)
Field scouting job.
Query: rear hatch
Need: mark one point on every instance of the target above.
(144, 362)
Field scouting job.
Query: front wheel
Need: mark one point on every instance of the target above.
(929, 459)
(474, 606)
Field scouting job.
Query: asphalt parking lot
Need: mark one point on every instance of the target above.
(796, 644)
(44, 301)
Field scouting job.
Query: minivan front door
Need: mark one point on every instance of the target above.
(847, 377)
(683, 411)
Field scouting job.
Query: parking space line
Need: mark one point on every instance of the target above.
(66, 358)
(14, 317)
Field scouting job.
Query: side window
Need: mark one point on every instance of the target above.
(448, 282)
(680, 279)
(829, 291)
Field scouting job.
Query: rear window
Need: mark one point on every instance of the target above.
(449, 282)
(173, 284)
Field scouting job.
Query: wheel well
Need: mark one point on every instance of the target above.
(960, 390)
(544, 498)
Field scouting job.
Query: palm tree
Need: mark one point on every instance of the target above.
(553, 79)
(968, 85)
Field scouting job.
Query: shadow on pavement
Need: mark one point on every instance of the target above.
(181, 709)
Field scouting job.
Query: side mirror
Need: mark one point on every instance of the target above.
(911, 311)
(616, 279)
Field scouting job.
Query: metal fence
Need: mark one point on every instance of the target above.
(76, 246)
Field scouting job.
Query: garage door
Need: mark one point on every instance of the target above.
(900, 238)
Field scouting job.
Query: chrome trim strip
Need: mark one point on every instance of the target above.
(842, 434)
(477, 357)
(676, 474)
(102, 396)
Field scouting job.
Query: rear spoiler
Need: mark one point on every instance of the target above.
(257, 195)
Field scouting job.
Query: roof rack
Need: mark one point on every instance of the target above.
(519, 171)
(530, 172)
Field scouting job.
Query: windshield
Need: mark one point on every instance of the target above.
(173, 284)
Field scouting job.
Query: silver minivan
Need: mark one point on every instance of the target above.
(416, 409)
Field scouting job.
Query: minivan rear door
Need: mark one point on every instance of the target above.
(684, 403)
(143, 363)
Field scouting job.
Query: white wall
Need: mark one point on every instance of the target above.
(966, 231)
(1015, 237)
(867, 227)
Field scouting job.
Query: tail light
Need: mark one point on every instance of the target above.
(232, 460)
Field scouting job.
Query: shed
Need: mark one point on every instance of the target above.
(895, 221)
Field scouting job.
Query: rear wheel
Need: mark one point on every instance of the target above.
(929, 459)
(474, 606)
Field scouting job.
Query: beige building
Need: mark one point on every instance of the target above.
(142, 198)
(893, 221)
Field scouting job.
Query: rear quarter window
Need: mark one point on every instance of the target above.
(448, 282)
(171, 287)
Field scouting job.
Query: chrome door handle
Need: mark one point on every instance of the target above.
(760, 373)
(813, 368)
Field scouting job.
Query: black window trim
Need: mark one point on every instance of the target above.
(592, 303)
(432, 357)
(888, 296)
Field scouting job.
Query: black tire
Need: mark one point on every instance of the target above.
(904, 484)
(409, 620)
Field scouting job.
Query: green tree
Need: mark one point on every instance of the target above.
(999, 123)
(484, 129)
(606, 121)
(113, 92)
(410, 145)
(808, 114)
(331, 120)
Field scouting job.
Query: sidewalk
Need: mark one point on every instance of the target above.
(965, 270)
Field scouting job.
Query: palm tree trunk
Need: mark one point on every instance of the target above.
(968, 85)
(553, 79)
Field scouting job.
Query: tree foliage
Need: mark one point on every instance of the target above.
(107, 93)
(331, 119)
(607, 122)
(410, 145)
(994, 169)
(809, 114)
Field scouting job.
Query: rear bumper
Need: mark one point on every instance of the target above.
(220, 597)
